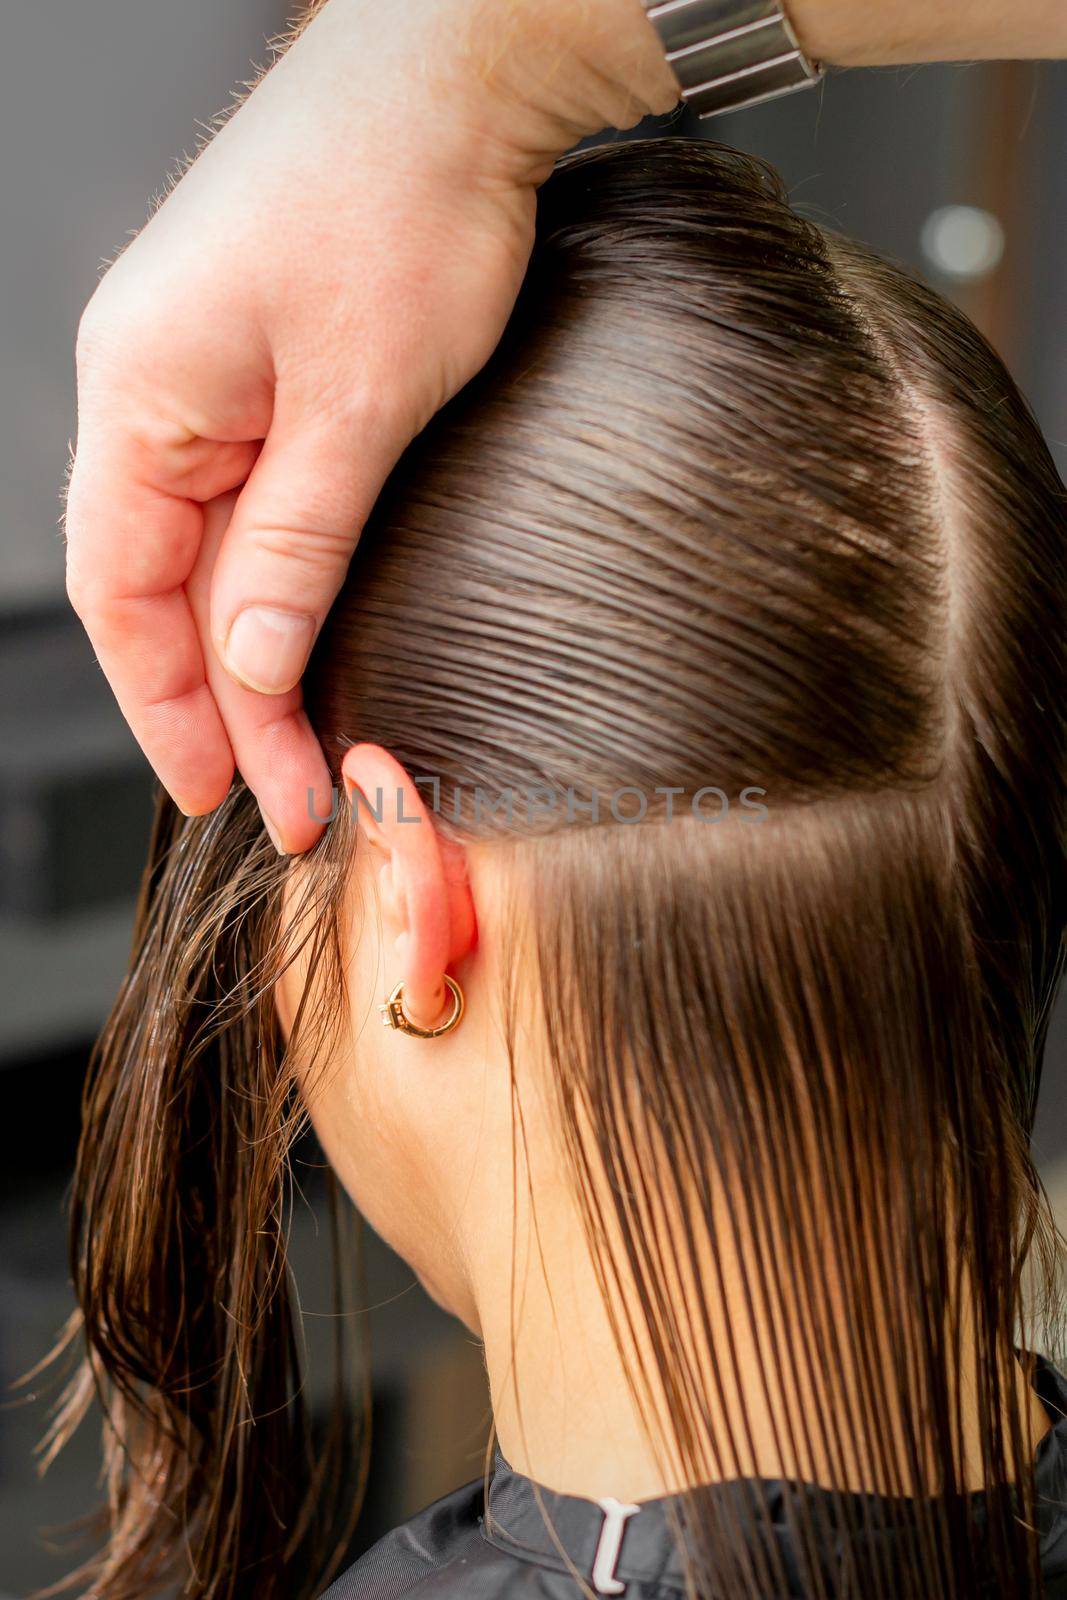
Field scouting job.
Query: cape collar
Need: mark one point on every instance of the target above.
(612, 1544)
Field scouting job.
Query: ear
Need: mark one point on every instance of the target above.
(427, 910)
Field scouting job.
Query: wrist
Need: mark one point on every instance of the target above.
(617, 47)
(849, 35)
(569, 68)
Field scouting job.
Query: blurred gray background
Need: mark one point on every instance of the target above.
(956, 170)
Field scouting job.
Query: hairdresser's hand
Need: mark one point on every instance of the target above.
(337, 263)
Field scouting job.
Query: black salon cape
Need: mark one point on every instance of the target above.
(452, 1551)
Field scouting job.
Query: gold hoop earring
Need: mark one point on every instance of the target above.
(394, 1016)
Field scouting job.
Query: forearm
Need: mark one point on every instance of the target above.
(879, 32)
(620, 58)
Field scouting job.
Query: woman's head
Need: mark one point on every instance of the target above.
(713, 639)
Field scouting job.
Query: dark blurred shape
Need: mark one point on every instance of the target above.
(75, 800)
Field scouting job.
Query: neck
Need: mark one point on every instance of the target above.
(566, 1416)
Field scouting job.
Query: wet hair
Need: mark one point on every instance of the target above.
(737, 509)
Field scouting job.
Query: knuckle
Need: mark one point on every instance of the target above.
(367, 409)
(308, 549)
(87, 590)
(111, 331)
(94, 335)
(78, 592)
(348, 409)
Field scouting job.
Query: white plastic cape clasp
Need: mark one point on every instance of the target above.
(616, 1516)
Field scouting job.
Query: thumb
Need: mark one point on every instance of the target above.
(288, 545)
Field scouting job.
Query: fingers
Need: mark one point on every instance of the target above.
(274, 572)
(275, 748)
(137, 552)
(130, 548)
(288, 546)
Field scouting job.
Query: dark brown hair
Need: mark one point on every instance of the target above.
(735, 504)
